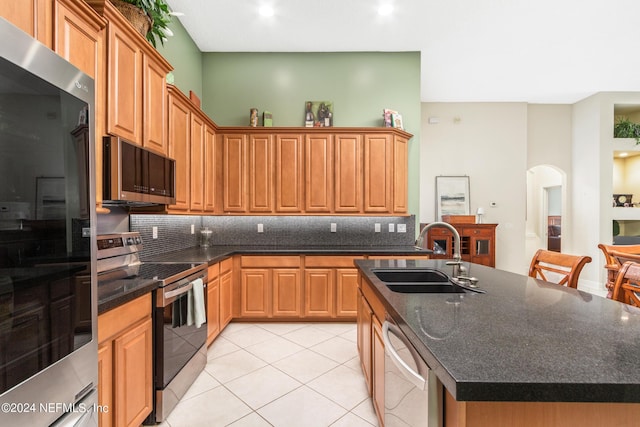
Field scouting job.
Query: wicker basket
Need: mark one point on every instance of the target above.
(136, 16)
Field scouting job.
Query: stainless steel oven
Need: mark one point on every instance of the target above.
(179, 315)
(48, 345)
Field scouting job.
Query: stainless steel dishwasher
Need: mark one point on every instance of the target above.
(412, 394)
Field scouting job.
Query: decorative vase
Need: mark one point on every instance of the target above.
(136, 16)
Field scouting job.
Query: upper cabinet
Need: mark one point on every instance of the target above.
(353, 171)
(136, 89)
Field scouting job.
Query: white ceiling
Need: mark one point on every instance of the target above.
(537, 51)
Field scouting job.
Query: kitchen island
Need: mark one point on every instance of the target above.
(526, 352)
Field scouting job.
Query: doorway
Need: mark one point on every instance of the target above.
(545, 209)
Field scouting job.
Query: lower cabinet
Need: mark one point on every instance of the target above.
(213, 302)
(125, 355)
(226, 292)
(295, 287)
(371, 314)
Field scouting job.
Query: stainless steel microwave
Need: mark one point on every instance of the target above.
(135, 175)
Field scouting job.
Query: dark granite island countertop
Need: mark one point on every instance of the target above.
(523, 340)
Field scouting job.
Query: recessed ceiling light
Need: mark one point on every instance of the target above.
(624, 154)
(385, 9)
(266, 10)
(176, 13)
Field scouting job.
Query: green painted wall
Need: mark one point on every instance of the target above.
(360, 85)
(186, 58)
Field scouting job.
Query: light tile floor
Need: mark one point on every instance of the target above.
(280, 375)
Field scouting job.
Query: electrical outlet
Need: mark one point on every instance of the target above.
(260, 228)
(193, 229)
(154, 232)
(86, 232)
(402, 228)
(392, 228)
(376, 227)
(334, 227)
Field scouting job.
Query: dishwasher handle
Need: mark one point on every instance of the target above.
(413, 376)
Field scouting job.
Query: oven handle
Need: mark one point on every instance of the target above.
(179, 291)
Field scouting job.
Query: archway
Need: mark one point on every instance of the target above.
(546, 209)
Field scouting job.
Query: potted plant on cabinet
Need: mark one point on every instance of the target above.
(625, 128)
(150, 17)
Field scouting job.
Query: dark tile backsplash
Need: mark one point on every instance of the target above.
(174, 231)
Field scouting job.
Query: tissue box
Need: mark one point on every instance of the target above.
(267, 119)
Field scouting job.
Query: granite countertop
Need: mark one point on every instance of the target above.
(214, 254)
(114, 293)
(522, 340)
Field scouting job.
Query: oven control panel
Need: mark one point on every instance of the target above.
(119, 243)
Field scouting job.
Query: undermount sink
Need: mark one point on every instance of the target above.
(417, 281)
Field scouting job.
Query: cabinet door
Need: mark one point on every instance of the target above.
(289, 164)
(179, 150)
(346, 292)
(213, 309)
(318, 173)
(234, 173)
(79, 38)
(154, 105)
(319, 293)
(197, 163)
(210, 168)
(378, 167)
(377, 359)
(348, 173)
(125, 86)
(365, 314)
(255, 293)
(287, 292)
(105, 383)
(482, 246)
(260, 173)
(31, 16)
(226, 299)
(133, 375)
(400, 174)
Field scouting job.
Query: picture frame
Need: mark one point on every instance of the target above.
(452, 196)
(396, 121)
(318, 114)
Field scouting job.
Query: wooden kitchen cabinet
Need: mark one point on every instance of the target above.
(180, 148)
(319, 289)
(31, 16)
(377, 368)
(289, 173)
(125, 362)
(371, 314)
(213, 302)
(318, 173)
(331, 286)
(197, 164)
(270, 287)
(210, 170)
(136, 76)
(477, 242)
(226, 292)
(356, 171)
(347, 160)
(234, 180)
(260, 173)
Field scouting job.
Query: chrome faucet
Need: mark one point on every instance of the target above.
(456, 238)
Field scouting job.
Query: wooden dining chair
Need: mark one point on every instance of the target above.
(626, 288)
(563, 269)
(612, 264)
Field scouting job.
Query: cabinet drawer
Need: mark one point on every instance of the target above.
(330, 261)
(226, 265)
(120, 318)
(440, 232)
(480, 233)
(269, 261)
(213, 271)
